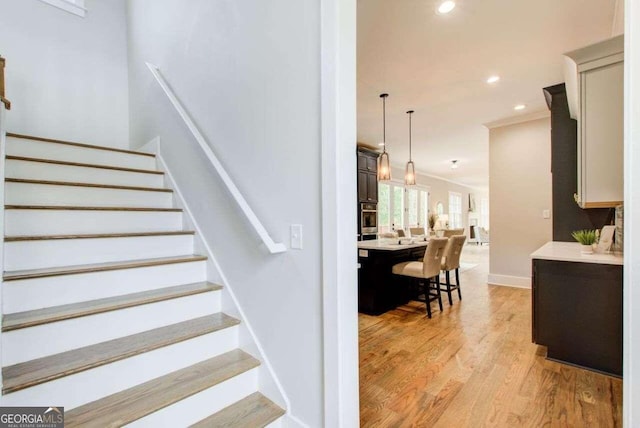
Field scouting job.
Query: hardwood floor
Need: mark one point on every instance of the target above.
(474, 365)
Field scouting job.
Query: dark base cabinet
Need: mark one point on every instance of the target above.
(378, 289)
(577, 313)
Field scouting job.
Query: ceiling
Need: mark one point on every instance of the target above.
(438, 65)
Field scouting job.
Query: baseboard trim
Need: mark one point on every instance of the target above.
(509, 281)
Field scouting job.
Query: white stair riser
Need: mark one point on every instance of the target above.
(46, 194)
(35, 342)
(48, 253)
(63, 152)
(37, 293)
(201, 405)
(54, 172)
(84, 387)
(69, 222)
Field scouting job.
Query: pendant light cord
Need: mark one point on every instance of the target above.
(409, 137)
(410, 112)
(384, 122)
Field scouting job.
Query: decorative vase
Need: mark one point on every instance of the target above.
(586, 249)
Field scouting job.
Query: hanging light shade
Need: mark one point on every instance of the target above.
(384, 166)
(410, 170)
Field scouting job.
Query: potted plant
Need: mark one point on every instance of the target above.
(586, 238)
(433, 218)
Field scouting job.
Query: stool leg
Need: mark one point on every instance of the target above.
(458, 283)
(438, 291)
(449, 287)
(427, 301)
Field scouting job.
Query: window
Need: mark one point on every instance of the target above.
(484, 213)
(424, 209)
(384, 208)
(455, 210)
(412, 207)
(400, 207)
(390, 207)
(72, 6)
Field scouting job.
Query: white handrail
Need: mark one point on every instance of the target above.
(273, 247)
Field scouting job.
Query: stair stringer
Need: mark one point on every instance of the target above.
(268, 381)
(3, 145)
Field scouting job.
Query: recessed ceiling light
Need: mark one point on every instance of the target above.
(454, 164)
(493, 79)
(446, 7)
(520, 107)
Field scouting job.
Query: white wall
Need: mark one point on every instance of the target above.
(520, 189)
(248, 72)
(631, 323)
(66, 76)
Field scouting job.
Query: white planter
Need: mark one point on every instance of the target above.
(586, 249)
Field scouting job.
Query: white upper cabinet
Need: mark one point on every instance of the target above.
(595, 91)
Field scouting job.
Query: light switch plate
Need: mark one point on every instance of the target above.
(296, 236)
(546, 214)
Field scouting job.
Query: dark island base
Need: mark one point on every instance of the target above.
(378, 289)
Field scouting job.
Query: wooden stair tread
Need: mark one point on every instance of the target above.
(98, 267)
(255, 411)
(129, 405)
(97, 236)
(35, 317)
(86, 165)
(77, 208)
(70, 143)
(35, 372)
(74, 184)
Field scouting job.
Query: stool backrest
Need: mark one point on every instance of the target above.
(448, 233)
(433, 257)
(451, 258)
(416, 231)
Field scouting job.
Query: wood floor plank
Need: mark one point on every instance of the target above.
(75, 184)
(255, 411)
(98, 267)
(127, 406)
(34, 372)
(32, 318)
(85, 165)
(97, 236)
(473, 365)
(70, 143)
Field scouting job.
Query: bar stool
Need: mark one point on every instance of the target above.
(426, 272)
(451, 261)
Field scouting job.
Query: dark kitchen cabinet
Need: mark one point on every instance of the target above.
(577, 313)
(367, 176)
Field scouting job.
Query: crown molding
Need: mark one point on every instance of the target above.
(521, 118)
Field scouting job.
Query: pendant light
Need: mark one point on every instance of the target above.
(410, 171)
(384, 167)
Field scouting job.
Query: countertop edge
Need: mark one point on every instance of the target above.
(570, 252)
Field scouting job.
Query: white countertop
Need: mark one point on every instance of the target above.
(388, 245)
(570, 252)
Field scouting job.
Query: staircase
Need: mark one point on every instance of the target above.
(107, 311)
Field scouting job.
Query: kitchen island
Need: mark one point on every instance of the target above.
(378, 289)
(577, 306)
